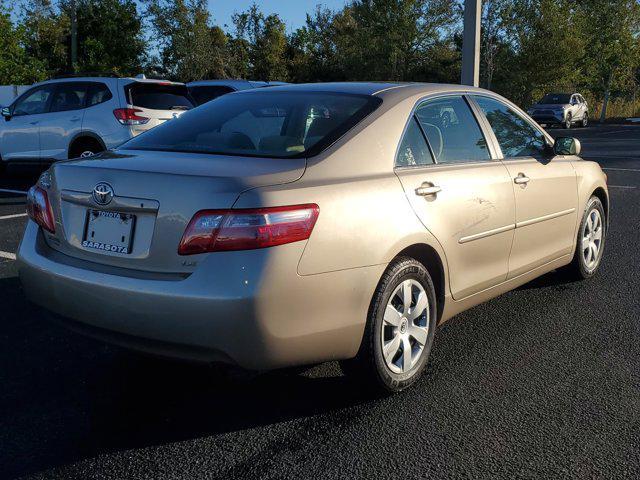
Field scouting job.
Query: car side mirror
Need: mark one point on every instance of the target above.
(567, 146)
(6, 113)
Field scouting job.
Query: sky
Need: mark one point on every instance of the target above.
(292, 12)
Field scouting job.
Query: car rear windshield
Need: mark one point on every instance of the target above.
(261, 124)
(158, 96)
(555, 98)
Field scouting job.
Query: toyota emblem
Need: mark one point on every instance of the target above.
(102, 193)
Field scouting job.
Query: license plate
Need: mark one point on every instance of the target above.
(109, 231)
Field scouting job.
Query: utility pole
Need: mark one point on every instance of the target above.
(471, 43)
(74, 37)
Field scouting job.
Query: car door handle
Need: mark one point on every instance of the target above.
(74, 119)
(427, 189)
(33, 123)
(521, 179)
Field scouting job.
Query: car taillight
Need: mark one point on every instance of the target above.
(39, 208)
(129, 116)
(247, 229)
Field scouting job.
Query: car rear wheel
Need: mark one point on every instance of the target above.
(567, 121)
(86, 147)
(585, 120)
(400, 328)
(590, 242)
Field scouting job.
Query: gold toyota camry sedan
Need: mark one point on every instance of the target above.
(304, 223)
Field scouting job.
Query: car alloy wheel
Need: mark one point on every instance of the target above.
(87, 153)
(567, 122)
(592, 233)
(405, 327)
(585, 120)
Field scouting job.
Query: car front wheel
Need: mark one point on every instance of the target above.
(567, 121)
(400, 328)
(590, 242)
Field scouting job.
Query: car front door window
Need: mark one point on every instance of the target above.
(33, 102)
(516, 136)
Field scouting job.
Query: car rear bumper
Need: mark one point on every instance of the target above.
(247, 308)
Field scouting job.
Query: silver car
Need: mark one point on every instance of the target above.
(565, 109)
(77, 117)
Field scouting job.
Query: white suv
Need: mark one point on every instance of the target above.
(81, 116)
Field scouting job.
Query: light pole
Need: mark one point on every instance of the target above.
(471, 43)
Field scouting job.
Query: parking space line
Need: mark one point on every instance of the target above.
(621, 169)
(6, 190)
(15, 215)
(620, 186)
(7, 255)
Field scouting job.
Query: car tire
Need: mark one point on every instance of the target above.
(567, 122)
(84, 148)
(393, 322)
(585, 120)
(590, 242)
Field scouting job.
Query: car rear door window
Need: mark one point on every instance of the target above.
(517, 136)
(413, 150)
(97, 93)
(33, 102)
(452, 131)
(68, 96)
(159, 96)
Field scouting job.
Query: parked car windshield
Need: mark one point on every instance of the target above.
(261, 123)
(555, 98)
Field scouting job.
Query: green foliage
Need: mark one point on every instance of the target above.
(17, 66)
(190, 49)
(528, 47)
(109, 36)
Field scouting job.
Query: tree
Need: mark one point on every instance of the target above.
(16, 65)
(109, 35)
(46, 35)
(547, 42)
(190, 49)
(261, 42)
(612, 50)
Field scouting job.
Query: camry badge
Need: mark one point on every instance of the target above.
(102, 193)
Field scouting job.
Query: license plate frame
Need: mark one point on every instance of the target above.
(110, 225)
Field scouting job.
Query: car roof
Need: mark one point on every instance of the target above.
(380, 89)
(234, 83)
(106, 80)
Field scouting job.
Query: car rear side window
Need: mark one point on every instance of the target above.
(413, 150)
(517, 137)
(452, 131)
(97, 93)
(68, 96)
(205, 93)
(261, 123)
(158, 96)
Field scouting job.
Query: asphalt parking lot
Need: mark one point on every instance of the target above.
(542, 382)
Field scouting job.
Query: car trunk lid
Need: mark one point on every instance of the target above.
(144, 201)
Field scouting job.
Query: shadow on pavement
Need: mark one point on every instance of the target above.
(66, 397)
